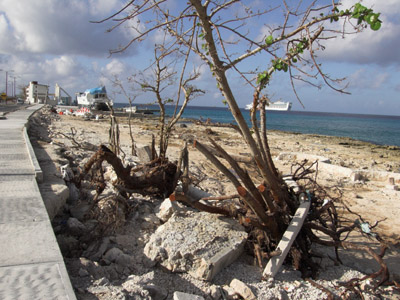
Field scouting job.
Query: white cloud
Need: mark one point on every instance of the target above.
(58, 27)
(102, 7)
(366, 79)
(114, 68)
(60, 66)
(379, 47)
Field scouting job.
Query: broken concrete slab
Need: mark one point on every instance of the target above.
(288, 238)
(196, 242)
(186, 296)
(144, 153)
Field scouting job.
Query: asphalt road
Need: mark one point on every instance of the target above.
(6, 108)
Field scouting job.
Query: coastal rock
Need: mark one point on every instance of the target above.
(166, 209)
(79, 211)
(67, 244)
(199, 243)
(75, 227)
(73, 194)
(150, 221)
(156, 292)
(242, 289)
(117, 256)
(83, 272)
(54, 196)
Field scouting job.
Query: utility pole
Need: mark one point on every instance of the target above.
(7, 71)
(15, 84)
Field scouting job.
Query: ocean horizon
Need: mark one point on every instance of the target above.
(376, 129)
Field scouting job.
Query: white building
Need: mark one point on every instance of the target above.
(37, 93)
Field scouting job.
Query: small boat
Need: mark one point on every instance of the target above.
(138, 110)
(277, 105)
(95, 98)
(130, 109)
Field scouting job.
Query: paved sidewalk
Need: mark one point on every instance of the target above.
(31, 264)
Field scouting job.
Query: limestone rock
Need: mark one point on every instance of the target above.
(156, 292)
(75, 227)
(196, 242)
(118, 256)
(356, 176)
(54, 197)
(166, 209)
(93, 268)
(79, 211)
(150, 221)
(73, 194)
(67, 244)
(242, 289)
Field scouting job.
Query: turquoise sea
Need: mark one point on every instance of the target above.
(377, 129)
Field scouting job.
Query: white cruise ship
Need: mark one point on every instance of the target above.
(278, 105)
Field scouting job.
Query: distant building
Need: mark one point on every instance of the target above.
(37, 93)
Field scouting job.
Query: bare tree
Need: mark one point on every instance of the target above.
(163, 77)
(227, 33)
(118, 83)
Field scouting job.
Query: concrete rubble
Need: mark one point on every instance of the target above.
(196, 242)
(186, 296)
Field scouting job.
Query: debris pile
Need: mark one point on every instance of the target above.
(147, 247)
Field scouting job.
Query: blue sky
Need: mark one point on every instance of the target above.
(52, 41)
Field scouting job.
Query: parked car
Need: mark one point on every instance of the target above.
(20, 101)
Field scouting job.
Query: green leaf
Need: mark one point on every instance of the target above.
(376, 26)
(372, 18)
(261, 77)
(334, 19)
(269, 40)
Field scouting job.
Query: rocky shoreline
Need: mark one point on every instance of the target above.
(115, 264)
